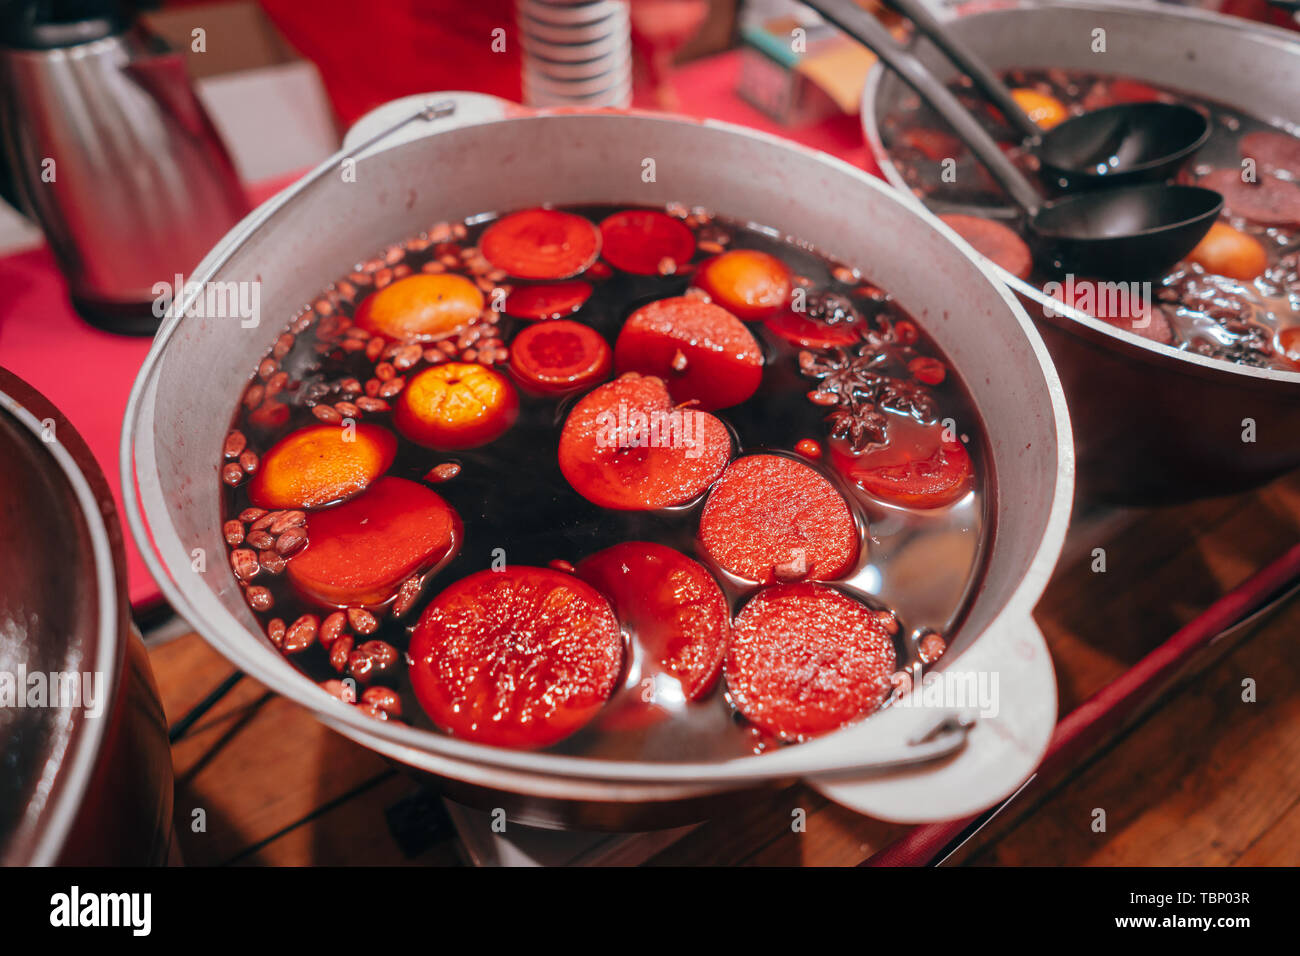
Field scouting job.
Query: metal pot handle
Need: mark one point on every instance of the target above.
(1002, 749)
(394, 122)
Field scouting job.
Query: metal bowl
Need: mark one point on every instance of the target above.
(87, 777)
(1152, 423)
(447, 156)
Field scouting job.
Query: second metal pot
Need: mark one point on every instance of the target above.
(87, 773)
(1152, 424)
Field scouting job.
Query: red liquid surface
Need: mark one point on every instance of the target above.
(516, 506)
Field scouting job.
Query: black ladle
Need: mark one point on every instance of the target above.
(1127, 232)
(1116, 145)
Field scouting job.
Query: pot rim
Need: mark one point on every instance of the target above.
(392, 736)
(1202, 364)
(30, 410)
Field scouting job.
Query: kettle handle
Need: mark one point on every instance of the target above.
(163, 76)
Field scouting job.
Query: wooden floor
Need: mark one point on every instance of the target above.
(1205, 778)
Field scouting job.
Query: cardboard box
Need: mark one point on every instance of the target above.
(267, 102)
(796, 86)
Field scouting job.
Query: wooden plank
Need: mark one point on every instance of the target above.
(1277, 845)
(352, 833)
(1097, 625)
(758, 819)
(255, 764)
(186, 669)
(833, 836)
(1202, 783)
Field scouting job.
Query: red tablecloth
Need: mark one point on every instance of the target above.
(88, 373)
(85, 372)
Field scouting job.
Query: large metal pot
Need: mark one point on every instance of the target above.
(87, 777)
(1152, 424)
(489, 155)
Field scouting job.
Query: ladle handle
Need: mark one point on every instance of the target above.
(970, 63)
(865, 28)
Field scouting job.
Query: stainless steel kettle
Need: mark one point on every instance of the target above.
(112, 153)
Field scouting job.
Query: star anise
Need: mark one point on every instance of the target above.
(858, 424)
(908, 398)
(823, 362)
(842, 376)
(852, 382)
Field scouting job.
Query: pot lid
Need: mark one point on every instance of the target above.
(60, 614)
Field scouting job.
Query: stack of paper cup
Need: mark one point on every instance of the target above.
(576, 52)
